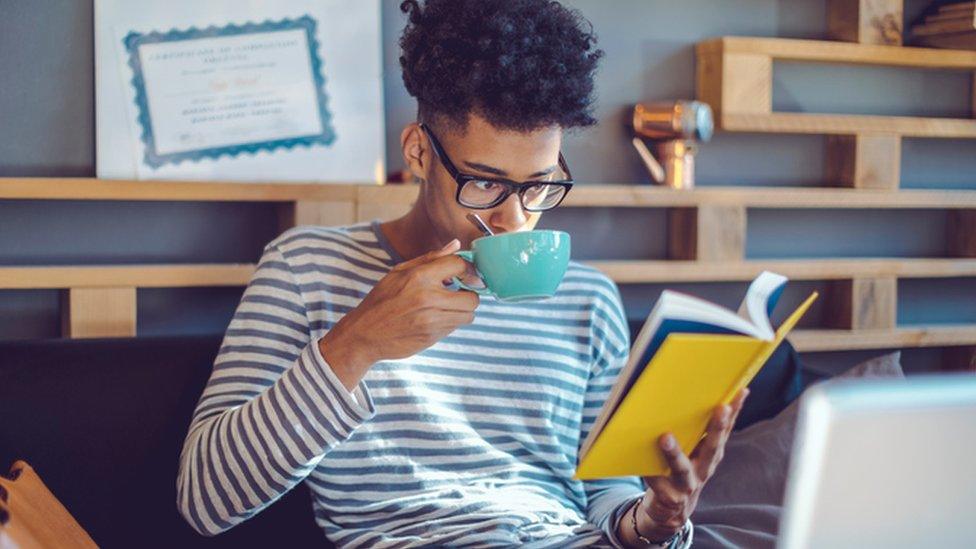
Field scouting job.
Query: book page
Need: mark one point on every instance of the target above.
(760, 300)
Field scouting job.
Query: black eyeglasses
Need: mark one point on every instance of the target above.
(482, 193)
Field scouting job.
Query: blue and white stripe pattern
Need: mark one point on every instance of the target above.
(470, 442)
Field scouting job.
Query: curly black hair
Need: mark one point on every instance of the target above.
(519, 64)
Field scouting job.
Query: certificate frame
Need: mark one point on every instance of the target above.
(155, 159)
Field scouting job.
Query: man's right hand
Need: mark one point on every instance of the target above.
(407, 311)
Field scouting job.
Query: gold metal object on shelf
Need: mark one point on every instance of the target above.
(675, 128)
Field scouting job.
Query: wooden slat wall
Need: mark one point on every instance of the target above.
(98, 312)
(863, 153)
(707, 237)
(865, 309)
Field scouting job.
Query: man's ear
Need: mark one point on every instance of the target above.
(416, 150)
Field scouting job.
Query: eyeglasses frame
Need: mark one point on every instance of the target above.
(519, 188)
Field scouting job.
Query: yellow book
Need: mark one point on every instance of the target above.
(689, 370)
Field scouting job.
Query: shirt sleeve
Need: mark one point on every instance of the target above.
(608, 499)
(270, 411)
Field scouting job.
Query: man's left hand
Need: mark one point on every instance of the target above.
(670, 500)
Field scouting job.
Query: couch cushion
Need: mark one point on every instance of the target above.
(103, 422)
(741, 504)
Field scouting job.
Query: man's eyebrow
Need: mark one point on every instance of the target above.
(503, 173)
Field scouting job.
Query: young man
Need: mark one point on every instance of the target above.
(416, 413)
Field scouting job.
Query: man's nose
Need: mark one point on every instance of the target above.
(509, 216)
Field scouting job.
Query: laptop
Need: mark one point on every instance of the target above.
(884, 463)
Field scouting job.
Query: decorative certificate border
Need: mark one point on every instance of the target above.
(133, 40)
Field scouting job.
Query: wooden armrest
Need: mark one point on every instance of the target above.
(32, 518)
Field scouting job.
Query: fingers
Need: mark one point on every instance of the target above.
(737, 404)
(672, 497)
(470, 277)
(682, 473)
(451, 301)
(438, 267)
(442, 268)
(711, 449)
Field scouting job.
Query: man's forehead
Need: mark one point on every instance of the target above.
(485, 168)
(483, 148)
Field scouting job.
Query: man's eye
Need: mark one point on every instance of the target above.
(485, 185)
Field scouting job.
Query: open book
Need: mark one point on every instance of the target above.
(690, 356)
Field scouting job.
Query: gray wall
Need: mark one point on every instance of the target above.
(46, 120)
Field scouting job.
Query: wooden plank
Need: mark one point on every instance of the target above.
(747, 84)
(864, 161)
(708, 78)
(707, 233)
(956, 7)
(844, 340)
(98, 312)
(388, 194)
(822, 51)
(862, 303)
(381, 212)
(663, 271)
(741, 83)
(385, 203)
(951, 15)
(77, 188)
(308, 212)
(621, 271)
(961, 233)
(946, 24)
(847, 124)
(957, 40)
(647, 196)
(583, 196)
(125, 276)
(866, 21)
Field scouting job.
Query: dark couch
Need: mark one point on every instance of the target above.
(103, 421)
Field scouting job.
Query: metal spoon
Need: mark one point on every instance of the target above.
(477, 222)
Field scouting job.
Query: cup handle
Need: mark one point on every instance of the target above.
(469, 257)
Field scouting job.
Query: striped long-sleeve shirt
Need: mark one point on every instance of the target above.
(472, 441)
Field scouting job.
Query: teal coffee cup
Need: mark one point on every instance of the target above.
(519, 266)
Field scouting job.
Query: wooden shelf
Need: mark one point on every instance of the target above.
(583, 195)
(635, 272)
(823, 51)
(647, 196)
(68, 188)
(88, 287)
(622, 272)
(120, 278)
(125, 276)
(848, 124)
(735, 77)
(766, 197)
(850, 340)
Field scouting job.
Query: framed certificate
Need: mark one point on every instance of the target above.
(283, 91)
